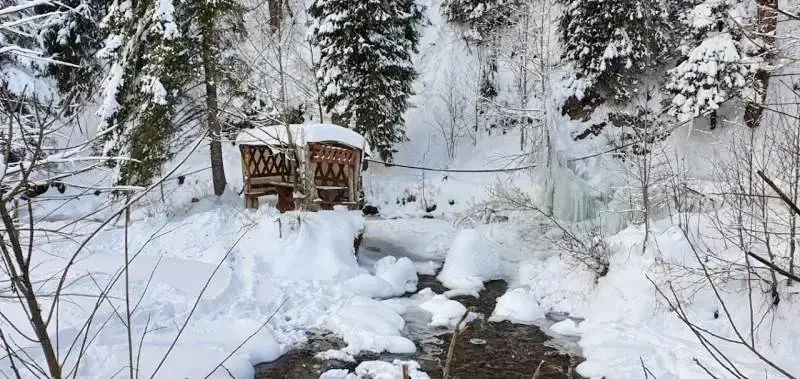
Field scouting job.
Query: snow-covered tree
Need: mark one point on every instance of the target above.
(217, 25)
(365, 69)
(71, 34)
(716, 67)
(713, 72)
(480, 18)
(27, 96)
(22, 57)
(148, 72)
(613, 41)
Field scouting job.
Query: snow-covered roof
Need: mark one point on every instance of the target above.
(277, 135)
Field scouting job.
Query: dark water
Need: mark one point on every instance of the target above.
(484, 350)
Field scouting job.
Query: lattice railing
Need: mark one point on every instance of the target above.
(260, 161)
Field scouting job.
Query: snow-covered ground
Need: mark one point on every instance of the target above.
(254, 282)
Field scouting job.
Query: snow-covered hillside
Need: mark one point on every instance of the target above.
(644, 227)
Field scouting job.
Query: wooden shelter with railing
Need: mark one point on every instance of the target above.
(272, 155)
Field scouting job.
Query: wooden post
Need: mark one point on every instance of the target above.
(246, 158)
(352, 180)
(306, 179)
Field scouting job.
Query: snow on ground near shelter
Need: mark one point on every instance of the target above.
(295, 266)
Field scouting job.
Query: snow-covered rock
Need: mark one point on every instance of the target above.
(368, 325)
(444, 312)
(393, 277)
(470, 262)
(399, 273)
(518, 306)
(378, 370)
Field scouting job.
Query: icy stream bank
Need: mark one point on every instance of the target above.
(484, 350)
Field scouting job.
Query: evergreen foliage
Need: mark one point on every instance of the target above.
(715, 67)
(72, 35)
(480, 17)
(365, 69)
(613, 41)
(149, 72)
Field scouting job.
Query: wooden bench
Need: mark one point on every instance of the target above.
(266, 172)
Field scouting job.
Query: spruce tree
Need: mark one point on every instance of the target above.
(72, 35)
(218, 24)
(148, 74)
(365, 69)
(613, 41)
(480, 17)
(715, 67)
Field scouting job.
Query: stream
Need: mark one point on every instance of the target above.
(483, 350)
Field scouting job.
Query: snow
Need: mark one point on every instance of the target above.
(399, 273)
(152, 86)
(278, 135)
(470, 262)
(165, 13)
(293, 266)
(444, 312)
(368, 325)
(22, 82)
(566, 327)
(517, 306)
(378, 370)
(111, 89)
(393, 277)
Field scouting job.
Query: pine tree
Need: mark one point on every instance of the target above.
(20, 49)
(480, 17)
(365, 68)
(613, 41)
(72, 35)
(715, 67)
(28, 100)
(218, 24)
(148, 73)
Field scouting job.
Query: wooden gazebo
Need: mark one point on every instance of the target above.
(334, 154)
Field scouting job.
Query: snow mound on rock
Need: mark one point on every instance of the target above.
(368, 325)
(469, 263)
(393, 277)
(445, 312)
(518, 306)
(399, 273)
(378, 370)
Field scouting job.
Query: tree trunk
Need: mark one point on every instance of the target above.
(209, 67)
(13, 254)
(767, 23)
(275, 14)
(712, 121)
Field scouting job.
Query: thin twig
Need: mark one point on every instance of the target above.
(451, 349)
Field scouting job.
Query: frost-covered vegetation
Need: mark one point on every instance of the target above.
(632, 166)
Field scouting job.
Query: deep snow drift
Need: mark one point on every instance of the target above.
(278, 276)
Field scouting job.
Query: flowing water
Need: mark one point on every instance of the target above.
(483, 350)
